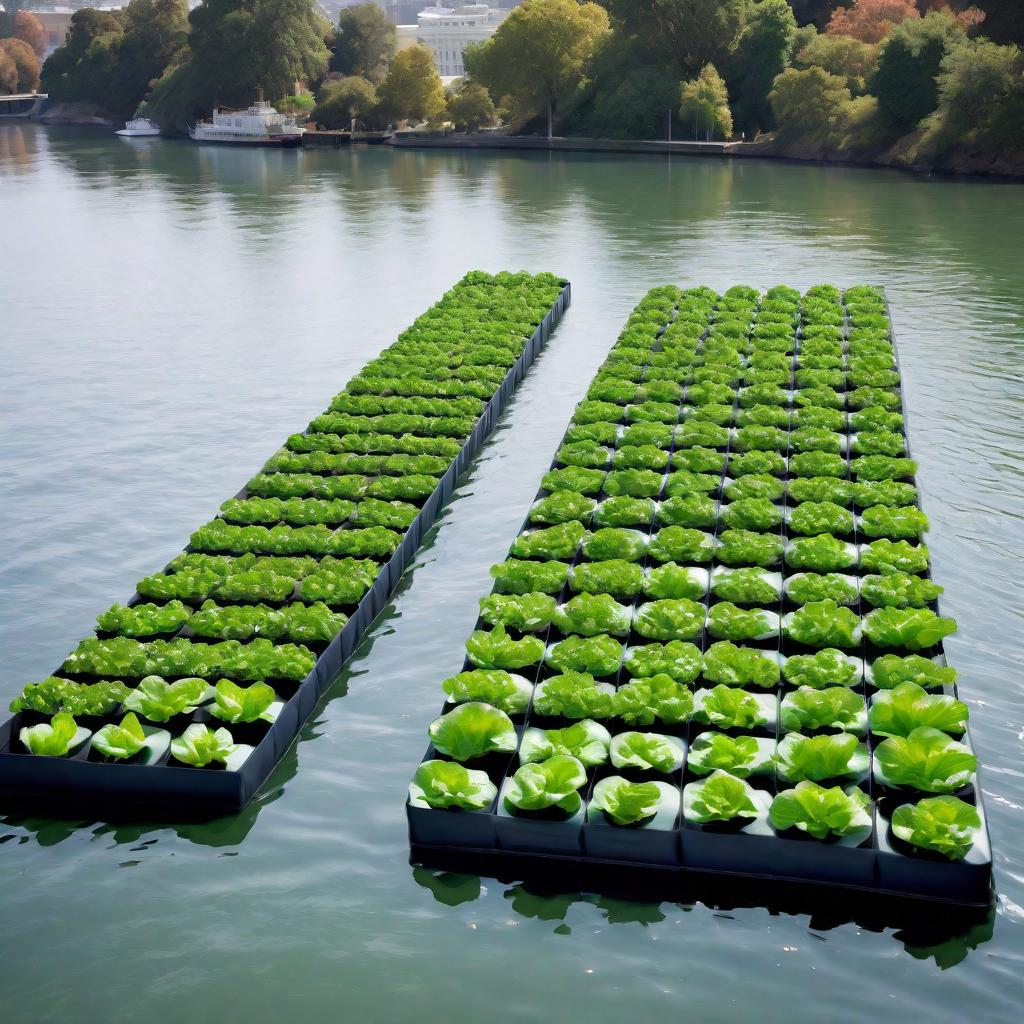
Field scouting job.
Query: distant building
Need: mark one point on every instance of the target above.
(449, 29)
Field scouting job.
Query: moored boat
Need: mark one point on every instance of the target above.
(258, 125)
(139, 127)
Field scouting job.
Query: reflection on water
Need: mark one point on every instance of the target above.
(172, 312)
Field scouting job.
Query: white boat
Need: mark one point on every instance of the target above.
(259, 125)
(138, 127)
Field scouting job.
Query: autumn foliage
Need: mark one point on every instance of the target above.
(29, 29)
(870, 21)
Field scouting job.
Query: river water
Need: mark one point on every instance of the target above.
(170, 313)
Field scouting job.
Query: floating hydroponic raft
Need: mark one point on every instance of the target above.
(186, 698)
(716, 644)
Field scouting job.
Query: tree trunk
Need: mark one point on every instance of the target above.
(551, 122)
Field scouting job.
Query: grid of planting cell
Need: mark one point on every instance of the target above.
(233, 625)
(759, 523)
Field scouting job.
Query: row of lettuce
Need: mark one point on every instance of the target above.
(210, 648)
(719, 616)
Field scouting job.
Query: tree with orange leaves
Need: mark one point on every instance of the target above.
(870, 21)
(29, 29)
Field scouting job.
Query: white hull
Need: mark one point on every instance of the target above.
(138, 133)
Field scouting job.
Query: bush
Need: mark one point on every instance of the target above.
(471, 107)
(344, 99)
(704, 103)
(811, 105)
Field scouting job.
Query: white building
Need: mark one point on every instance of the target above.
(448, 30)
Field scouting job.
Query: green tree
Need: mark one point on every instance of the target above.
(471, 107)
(26, 65)
(343, 99)
(79, 70)
(704, 103)
(844, 56)
(761, 56)
(690, 33)
(363, 42)
(412, 89)
(539, 53)
(810, 105)
(909, 59)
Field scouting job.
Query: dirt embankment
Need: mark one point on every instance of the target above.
(77, 114)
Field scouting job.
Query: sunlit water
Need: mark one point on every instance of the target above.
(168, 314)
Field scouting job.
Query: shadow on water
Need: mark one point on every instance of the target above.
(928, 931)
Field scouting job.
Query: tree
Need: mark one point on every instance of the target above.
(815, 12)
(26, 66)
(363, 41)
(412, 88)
(8, 74)
(810, 105)
(844, 56)
(871, 20)
(29, 29)
(905, 80)
(690, 33)
(761, 55)
(539, 52)
(68, 75)
(345, 99)
(471, 107)
(704, 103)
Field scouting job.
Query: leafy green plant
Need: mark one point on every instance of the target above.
(821, 418)
(824, 668)
(555, 782)
(890, 556)
(682, 482)
(496, 649)
(575, 695)
(879, 442)
(754, 485)
(640, 456)
(624, 802)
(752, 514)
(821, 489)
(144, 619)
(760, 438)
(907, 523)
(634, 483)
(698, 460)
(701, 434)
(519, 577)
(914, 629)
(575, 479)
(898, 712)
(730, 622)
(737, 755)
(806, 587)
(835, 707)
(743, 547)
(867, 493)
(815, 464)
(510, 693)
(820, 811)
(746, 586)
(891, 670)
(658, 698)
(813, 518)
(757, 464)
(942, 824)
(199, 746)
(615, 543)
(588, 454)
(586, 740)
(671, 581)
(813, 758)
(551, 544)
(446, 784)
(562, 507)
(616, 576)
(528, 613)
(677, 659)
(724, 662)
(120, 741)
(927, 760)
(720, 797)
(591, 614)
(875, 418)
(669, 620)
(823, 624)
(695, 511)
(824, 553)
(234, 704)
(882, 467)
(678, 544)
(728, 707)
(473, 730)
(51, 739)
(647, 751)
(157, 700)
(624, 511)
(54, 694)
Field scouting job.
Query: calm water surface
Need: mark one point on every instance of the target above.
(170, 314)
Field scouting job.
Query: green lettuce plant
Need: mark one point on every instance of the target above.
(813, 518)
(199, 746)
(898, 712)
(671, 582)
(720, 797)
(754, 485)
(823, 624)
(658, 698)
(879, 442)
(615, 543)
(875, 418)
(624, 802)
(907, 523)
(507, 692)
(820, 554)
(528, 613)
(730, 622)
(652, 412)
(818, 416)
(882, 467)
(588, 454)
(144, 619)
(657, 434)
(824, 668)
(698, 460)
(233, 703)
(913, 629)
(669, 620)
(640, 456)
(575, 479)
(634, 483)
(598, 655)
(678, 544)
(942, 824)
(54, 694)
(591, 614)
(646, 751)
(553, 543)
(624, 511)
(724, 662)
(835, 707)
(716, 751)
(446, 784)
(695, 512)
(120, 741)
(899, 590)
(51, 739)
(813, 758)
(746, 586)
(821, 489)
(562, 507)
(536, 786)
(743, 547)
(473, 730)
(891, 670)
(760, 438)
(889, 556)
(728, 707)
(752, 514)
(682, 483)
(516, 577)
(575, 695)
(496, 649)
(927, 760)
(157, 700)
(677, 659)
(818, 464)
(815, 439)
(588, 741)
(820, 811)
(807, 587)
(616, 576)
(757, 464)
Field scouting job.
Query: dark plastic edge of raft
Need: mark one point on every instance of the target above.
(880, 866)
(54, 786)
